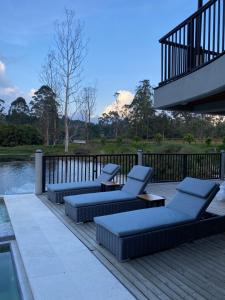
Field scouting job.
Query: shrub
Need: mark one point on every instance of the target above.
(82, 150)
(224, 141)
(119, 140)
(137, 139)
(189, 138)
(103, 140)
(158, 138)
(208, 141)
(169, 148)
(11, 135)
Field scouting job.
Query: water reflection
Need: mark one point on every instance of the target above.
(16, 177)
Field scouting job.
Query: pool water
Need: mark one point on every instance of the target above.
(17, 177)
(3, 213)
(8, 279)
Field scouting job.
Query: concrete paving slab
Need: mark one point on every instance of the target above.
(57, 264)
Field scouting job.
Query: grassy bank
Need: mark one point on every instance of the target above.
(109, 147)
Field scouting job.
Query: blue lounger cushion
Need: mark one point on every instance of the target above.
(196, 187)
(139, 173)
(110, 168)
(142, 220)
(97, 198)
(193, 196)
(73, 185)
(107, 173)
(137, 179)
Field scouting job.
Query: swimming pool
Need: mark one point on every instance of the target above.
(8, 278)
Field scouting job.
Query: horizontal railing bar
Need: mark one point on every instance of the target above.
(86, 155)
(181, 46)
(188, 72)
(188, 20)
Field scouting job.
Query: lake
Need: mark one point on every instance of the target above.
(17, 177)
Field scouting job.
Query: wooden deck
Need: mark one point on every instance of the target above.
(192, 271)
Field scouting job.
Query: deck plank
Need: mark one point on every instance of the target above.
(191, 271)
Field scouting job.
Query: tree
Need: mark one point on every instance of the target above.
(11, 135)
(158, 138)
(208, 141)
(18, 112)
(2, 108)
(189, 138)
(45, 108)
(104, 123)
(49, 74)
(141, 109)
(49, 77)
(114, 120)
(110, 123)
(70, 52)
(88, 103)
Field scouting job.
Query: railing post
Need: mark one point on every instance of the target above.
(222, 166)
(38, 172)
(140, 157)
(184, 166)
(94, 167)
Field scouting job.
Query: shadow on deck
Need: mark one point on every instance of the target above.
(191, 271)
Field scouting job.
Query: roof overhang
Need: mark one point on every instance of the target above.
(202, 91)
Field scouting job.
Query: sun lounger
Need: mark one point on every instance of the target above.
(141, 232)
(56, 192)
(83, 208)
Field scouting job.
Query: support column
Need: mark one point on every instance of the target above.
(38, 172)
(140, 156)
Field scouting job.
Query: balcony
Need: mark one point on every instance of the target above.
(193, 62)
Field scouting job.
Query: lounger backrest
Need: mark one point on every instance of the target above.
(137, 179)
(108, 172)
(193, 196)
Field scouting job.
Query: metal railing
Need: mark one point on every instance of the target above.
(167, 167)
(194, 43)
(175, 167)
(76, 168)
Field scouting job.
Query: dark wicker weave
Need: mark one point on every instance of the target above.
(87, 213)
(57, 196)
(136, 245)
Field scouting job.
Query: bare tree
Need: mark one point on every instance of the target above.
(88, 104)
(49, 77)
(70, 52)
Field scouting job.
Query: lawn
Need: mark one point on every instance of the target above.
(109, 147)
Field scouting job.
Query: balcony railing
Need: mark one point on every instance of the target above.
(167, 167)
(194, 43)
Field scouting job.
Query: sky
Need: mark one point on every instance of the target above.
(123, 46)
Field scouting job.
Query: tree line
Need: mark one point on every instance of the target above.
(41, 120)
(139, 120)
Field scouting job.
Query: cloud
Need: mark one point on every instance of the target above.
(2, 68)
(8, 91)
(31, 93)
(125, 97)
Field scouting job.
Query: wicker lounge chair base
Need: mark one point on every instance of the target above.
(83, 214)
(136, 245)
(57, 196)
